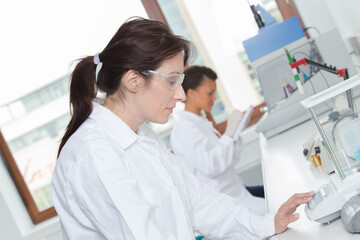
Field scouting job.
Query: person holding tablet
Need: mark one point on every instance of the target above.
(203, 150)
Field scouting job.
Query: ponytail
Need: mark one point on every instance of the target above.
(82, 91)
(140, 45)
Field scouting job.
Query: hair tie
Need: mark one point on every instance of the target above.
(96, 59)
(98, 64)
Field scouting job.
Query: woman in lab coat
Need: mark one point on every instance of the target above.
(199, 145)
(115, 178)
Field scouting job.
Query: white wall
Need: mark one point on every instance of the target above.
(326, 15)
(347, 19)
(315, 13)
(346, 16)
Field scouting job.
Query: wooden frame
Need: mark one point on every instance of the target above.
(154, 11)
(35, 215)
(288, 9)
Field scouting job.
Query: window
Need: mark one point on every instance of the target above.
(34, 108)
(32, 101)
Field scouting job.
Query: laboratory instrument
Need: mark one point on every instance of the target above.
(350, 214)
(304, 61)
(316, 147)
(270, 63)
(257, 15)
(336, 117)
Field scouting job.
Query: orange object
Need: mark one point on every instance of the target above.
(316, 160)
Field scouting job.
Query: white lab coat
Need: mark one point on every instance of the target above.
(211, 158)
(113, 183)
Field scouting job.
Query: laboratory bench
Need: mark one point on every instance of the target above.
(285, 172)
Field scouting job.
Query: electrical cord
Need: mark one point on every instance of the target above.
(311, 27)
(313, 88)
(309, 77)
(313, 70)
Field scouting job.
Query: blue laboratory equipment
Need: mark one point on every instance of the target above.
(270, 63)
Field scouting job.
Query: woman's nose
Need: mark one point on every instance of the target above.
(179, 93)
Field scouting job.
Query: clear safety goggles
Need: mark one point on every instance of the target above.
(170, 80)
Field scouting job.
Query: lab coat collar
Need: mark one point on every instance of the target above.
(194, 117)
(114, 127)
(199, 120)
(191, 116)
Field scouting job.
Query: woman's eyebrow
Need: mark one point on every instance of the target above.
(175, 72)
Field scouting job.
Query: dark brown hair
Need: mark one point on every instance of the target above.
(139, 44)
(194, 77)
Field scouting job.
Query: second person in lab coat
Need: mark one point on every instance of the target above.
(200, 146)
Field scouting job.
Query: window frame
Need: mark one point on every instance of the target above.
(34, 213)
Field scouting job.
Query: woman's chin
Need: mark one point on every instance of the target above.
(161, 120)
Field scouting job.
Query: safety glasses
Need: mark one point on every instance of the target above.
(170, 80)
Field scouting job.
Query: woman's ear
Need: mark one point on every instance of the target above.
(133, 81)
(190, 94)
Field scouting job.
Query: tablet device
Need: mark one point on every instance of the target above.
(244, 122)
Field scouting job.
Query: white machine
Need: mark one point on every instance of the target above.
(329, 199)
(350, 214)
(336, 114)
(283, 109)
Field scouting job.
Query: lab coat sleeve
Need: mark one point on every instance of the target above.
(217, 216)
(108, 196)
(238, 148)
(194, 147)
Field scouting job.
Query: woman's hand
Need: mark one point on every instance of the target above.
(285, 214)
(233, 121)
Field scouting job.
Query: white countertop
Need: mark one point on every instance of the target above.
(286, 172)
